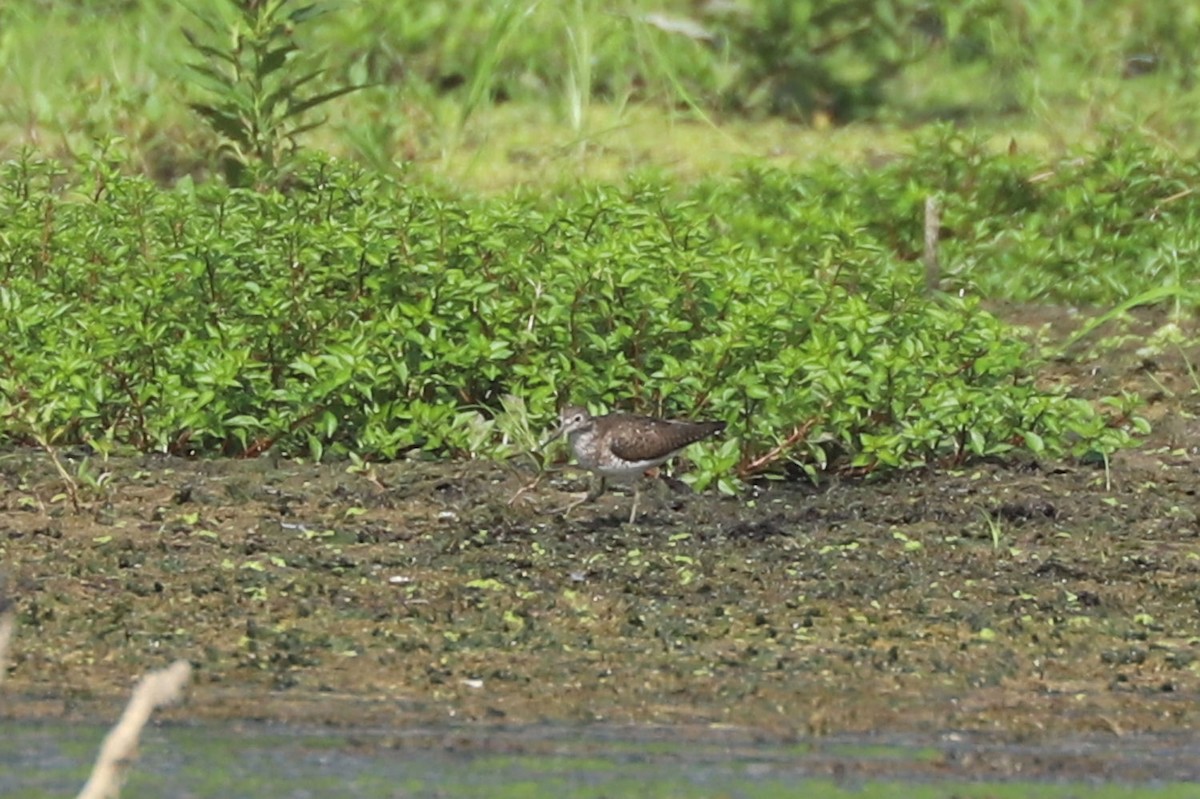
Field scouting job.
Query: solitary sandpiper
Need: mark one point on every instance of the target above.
(623, 446)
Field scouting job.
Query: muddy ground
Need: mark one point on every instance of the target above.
(1025, 601)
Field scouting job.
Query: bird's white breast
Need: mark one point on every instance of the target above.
(591, 456)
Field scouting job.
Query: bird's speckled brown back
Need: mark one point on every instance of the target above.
(641, 438)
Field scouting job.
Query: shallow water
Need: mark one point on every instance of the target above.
(258, 760)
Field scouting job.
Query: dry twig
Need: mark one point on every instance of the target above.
(759, 464)
(156, 689)
(72, 487)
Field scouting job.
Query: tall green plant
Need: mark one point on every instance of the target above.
(255, 80)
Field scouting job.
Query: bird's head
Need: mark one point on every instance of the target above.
(571, 419)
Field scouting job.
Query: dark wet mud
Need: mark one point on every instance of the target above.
(1022, 601)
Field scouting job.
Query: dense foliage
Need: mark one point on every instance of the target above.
(353, 313)
(796, 57)
(127, 69)
(1102, 226)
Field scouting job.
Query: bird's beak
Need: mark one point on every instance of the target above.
(557, 433)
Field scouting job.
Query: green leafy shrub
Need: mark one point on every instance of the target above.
(1100, 227)
(803, 57)
(353, 313)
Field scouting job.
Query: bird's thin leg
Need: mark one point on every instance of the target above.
(591, 496)
(637, 488)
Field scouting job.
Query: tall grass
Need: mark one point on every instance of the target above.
(447, 74)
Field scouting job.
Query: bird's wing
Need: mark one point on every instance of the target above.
(642, 438)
